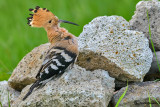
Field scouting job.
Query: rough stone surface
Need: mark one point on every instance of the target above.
(139, 20)
(120, 84)
(76, 87)
(6, 91)
(27, 68)
(106, 43)
(154, 72)
(137, 95)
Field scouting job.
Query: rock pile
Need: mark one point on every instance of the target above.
(25, 72)
(107, 43)
(76, 87)
(137, 95)
(7, 93)
(112, 51)
(139, 20)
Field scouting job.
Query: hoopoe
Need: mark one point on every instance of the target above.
(63, 50)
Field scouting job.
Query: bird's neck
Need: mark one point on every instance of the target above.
(56, 34)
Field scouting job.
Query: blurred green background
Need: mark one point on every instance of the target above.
(17, 38)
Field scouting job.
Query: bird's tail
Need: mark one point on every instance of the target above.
(31, 89)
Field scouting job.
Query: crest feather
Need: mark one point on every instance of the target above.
(40, 17)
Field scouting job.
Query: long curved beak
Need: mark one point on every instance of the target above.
(64, 21)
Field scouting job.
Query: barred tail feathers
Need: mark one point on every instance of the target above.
(31, 89)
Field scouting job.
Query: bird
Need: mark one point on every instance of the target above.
(63, 49)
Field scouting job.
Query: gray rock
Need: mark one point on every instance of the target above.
(120, 84)
(137, 95)
(154, 72)
(139, 20)
(25, 72)
(7, 94)
(106, 43)
(76, 87)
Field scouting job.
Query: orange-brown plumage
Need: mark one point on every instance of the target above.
(63, 50)
(56, 34)
(41, 17)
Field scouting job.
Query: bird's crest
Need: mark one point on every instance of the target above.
(42, 17)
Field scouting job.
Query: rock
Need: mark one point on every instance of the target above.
(139, 20)
(154, 72)
(76, 87)
(6, 91)
(106, 43)
(137, 95)
(25, 72)
(152, 75)
(120, 84)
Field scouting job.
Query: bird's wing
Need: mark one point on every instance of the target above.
(55, 62)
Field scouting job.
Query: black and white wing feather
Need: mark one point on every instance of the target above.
(56, 61)
(54, 64)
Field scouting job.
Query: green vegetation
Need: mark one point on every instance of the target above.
(149, 97)
(9, 104)
(152, 44)
(156, 58)
(149, 100)
(156, 101)
(152, 41)
(17, 38)
(122, 96)
(1, 104)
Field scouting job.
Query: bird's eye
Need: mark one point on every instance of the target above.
(50, 21)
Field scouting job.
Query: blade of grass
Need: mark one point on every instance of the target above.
(149, 100)
(1, 63)
(157, 80)
(9, 105)
(156, 101)
(1, 104)
(152, 41)
(119, 100)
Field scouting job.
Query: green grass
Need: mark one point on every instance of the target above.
(156, 59)
(156, 101)
(149, 100)
(157, 80)
(9, 104)
(122, 96)
(1, 104)
(152, 41)
(17, 38)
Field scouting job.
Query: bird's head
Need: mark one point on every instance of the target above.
(42, 17)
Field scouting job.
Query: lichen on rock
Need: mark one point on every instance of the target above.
(139, 20)
(7, 94)
(107, 43)
(27, 69)
(154, 72)
(138, 94)
(76, 87)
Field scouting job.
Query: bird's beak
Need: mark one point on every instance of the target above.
(64, 21)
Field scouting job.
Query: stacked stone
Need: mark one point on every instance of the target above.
(112, 51)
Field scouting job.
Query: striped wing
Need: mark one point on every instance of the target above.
(55, 62)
